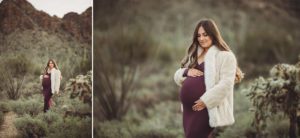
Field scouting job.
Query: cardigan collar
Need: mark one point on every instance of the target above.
(211, 49)
(209, 65)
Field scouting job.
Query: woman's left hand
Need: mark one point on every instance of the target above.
(199, 105)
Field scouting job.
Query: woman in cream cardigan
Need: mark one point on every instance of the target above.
(207, 76)
(50, 82)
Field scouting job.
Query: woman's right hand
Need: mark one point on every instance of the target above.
(194, 73)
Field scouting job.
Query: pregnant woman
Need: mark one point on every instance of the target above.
(50, 82)
(207, 76)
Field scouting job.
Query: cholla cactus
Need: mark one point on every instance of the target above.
(81, 87)
(278, 93)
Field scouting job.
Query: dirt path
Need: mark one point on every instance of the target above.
(8, 129)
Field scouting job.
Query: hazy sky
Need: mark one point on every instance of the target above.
(61, 7)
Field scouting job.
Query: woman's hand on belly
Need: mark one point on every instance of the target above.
(194, 72)
(199, 105)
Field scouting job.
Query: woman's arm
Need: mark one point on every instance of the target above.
(182, 73)
(214, 96)
(179, 76)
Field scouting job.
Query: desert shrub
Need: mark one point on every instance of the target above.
(4, 107)
(113, 129)
(50, 117)
(31, 106)
(13, 74)
(65, 103)
(160, 122)
(157, 122)
(32, 87)
(121, 54)
(72, 127)
(80, 87)
(60, 126)
(52, 124)
(279, 93)
(29, 127)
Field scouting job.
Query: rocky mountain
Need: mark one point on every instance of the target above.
(78, 25)
(20, 15)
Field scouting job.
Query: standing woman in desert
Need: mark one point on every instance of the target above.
(207, 76)
(50, 82)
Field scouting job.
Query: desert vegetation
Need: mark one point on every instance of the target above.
(156, 34)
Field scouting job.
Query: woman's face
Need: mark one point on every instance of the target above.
(203, 38)
(51, 65)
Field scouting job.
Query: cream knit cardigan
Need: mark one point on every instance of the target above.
(55, 80)
(219, 72)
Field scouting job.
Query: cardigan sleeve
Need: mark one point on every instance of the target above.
(179, 76)
(185, 73)
(41, 78)
(57, 81)
(52, 81)
(214, 96)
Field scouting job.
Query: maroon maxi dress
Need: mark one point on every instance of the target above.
(46, 83)
(195, 123)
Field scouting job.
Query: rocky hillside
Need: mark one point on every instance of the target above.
(21, 15)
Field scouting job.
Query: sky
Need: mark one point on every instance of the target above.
(61, 7)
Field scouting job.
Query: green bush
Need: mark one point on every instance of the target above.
(113, 129)
(72, 127)
(32, 106)
(29, 127)
(156, 123)
(121, 53)
(53, 124)
(164, 120)
(13, 75)
(4, 107)
(50, 117)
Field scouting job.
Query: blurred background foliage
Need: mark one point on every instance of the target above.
(147, 40)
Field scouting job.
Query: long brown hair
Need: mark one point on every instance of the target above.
(47, 66)
(213, 32)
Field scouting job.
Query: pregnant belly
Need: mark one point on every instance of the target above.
(46, 83)
(192, 89)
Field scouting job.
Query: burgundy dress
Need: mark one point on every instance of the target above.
(46, 83)
(195, 123)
